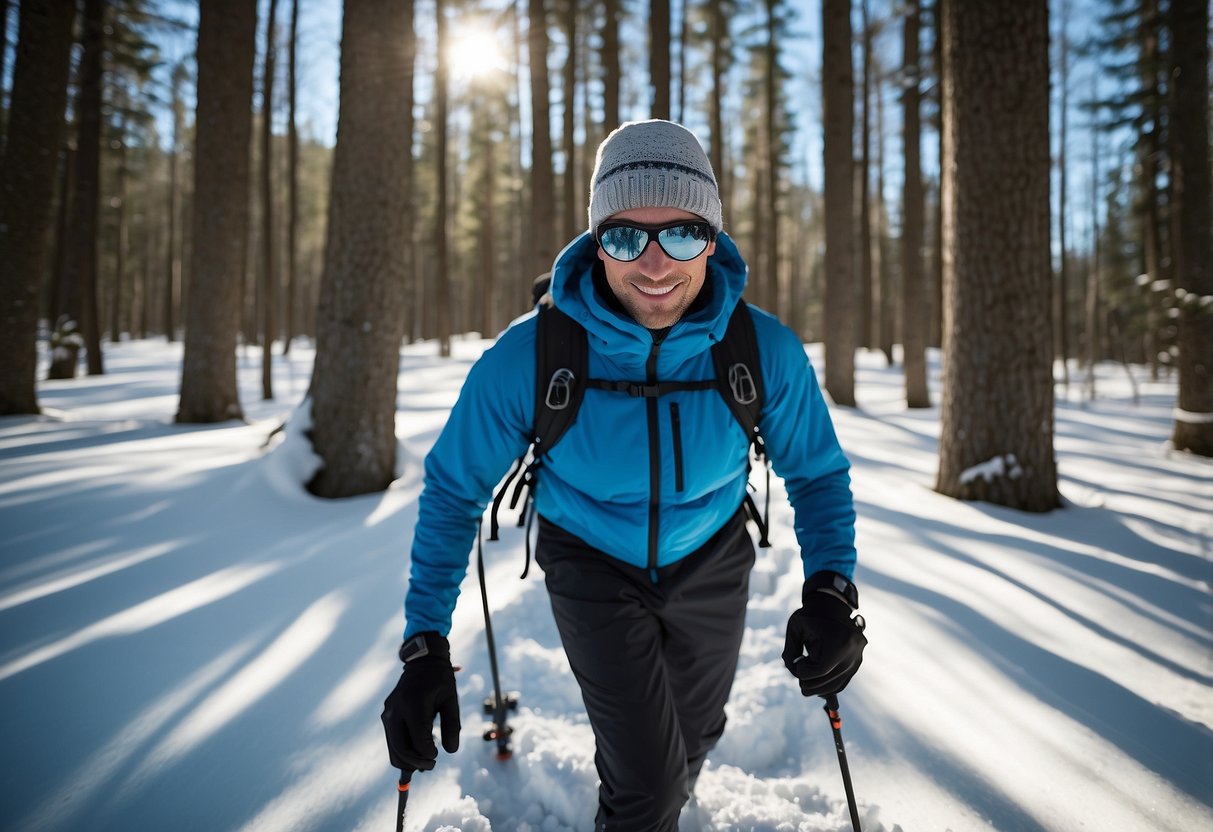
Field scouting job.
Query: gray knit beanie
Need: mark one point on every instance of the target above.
(653, 164)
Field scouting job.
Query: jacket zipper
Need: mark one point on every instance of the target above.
(676, 430)
(651, 405)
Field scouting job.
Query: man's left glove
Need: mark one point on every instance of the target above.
(824, 645)
(426, 689)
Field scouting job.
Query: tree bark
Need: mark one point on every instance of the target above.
(772, 160)
(996, 436)
(720, 42)
(27, 187)
(269, 286)
(838, 90)
(1193, 429)
(659, 57)
(574, 206)
(484, 118)
(442, 281)
(913, 286)
(121, 236)
(684, 37)
(79, 294)
(543, 210)
(611, 73)
(362, 309)
(866, 295)
(172, 276)
(226, 49)
(292, 199)
(1061, 343)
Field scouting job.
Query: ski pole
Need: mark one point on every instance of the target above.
(831, 709)
(402, 801)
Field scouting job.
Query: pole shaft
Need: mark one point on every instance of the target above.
(402, 800)
(831, 709)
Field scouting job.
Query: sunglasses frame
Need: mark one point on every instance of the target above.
(654, 232)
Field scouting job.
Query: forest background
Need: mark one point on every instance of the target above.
(1018, 184)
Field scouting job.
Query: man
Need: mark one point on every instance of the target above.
(642, 536)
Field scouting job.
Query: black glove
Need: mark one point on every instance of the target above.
(824, 645)
(426, 689)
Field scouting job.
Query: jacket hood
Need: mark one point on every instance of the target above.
(618, 335)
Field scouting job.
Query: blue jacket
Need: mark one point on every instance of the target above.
(595, 483)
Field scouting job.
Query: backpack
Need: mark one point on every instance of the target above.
(562, 377)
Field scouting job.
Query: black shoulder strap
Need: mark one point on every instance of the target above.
(739, 370)
(739, 381)
(561, 366)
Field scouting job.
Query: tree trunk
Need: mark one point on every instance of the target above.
(1154, 243)
(684, 37)
(611, 73)
(172, 277)
(292, 199)
(574, 205)
(1061, 342)
(122, 237)
(838, 90)
(362, 310)
(57, 279)
(269, 282)
(881, 266)
(1193, 248)
(996, 433)
(935, 339)
(771, 153)
(487, 250)
(866, 295)
(719, 41)
(659, 57)
(543, 211)
(226, 49)
(1093, 277)
(27, 187)
(913, 287)
(442, 281)
(519, 257)
(79, 295)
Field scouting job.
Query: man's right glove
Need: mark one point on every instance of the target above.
(824, 644)
(426, 689)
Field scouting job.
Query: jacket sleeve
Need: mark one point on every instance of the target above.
(487, 430)
(804, 451)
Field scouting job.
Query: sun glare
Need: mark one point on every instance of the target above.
(474, 53)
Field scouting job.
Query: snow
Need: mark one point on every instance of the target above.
(1003, 465)
(188, 640)
(1181, 415)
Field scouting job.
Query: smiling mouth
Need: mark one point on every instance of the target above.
(656, 291)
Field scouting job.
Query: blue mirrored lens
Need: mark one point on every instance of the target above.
(624, 242)
(683, 242)
(679, 242)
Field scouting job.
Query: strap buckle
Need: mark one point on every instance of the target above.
(742, 384)
(560, 389)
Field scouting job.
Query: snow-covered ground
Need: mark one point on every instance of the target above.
(188, 641)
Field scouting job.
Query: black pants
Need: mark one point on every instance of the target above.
(655, 661)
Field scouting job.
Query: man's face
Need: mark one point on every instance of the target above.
(656, 289)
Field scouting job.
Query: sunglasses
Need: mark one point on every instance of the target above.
(681, 240)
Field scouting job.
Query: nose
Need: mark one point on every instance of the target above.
(653, 260)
